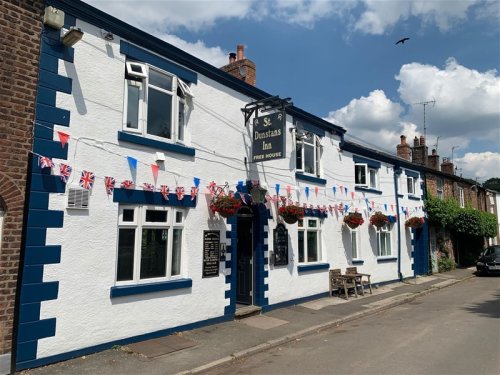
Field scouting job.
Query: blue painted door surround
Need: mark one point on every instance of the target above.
(421, 250)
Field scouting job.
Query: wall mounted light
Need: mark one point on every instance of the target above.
(72, 36)
(53, 17)
(106, 35)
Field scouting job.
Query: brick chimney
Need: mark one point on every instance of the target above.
(447, 166)
(240, 67)
(433, 160)
(404, 149)
(419, 154)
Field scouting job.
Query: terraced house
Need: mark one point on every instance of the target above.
(162, 194)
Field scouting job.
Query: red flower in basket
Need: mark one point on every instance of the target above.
(291, 213)
(414, 222)
(353, 220)
(225, 205)
(378, 219)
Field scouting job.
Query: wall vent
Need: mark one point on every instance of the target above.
(78, 199)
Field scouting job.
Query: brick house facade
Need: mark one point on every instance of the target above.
(20, 30)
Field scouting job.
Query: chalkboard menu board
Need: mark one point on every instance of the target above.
(280, 245)
(211, 249)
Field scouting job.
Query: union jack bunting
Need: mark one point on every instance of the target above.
(179, 191)
(44, 162)
(109, 183)
(242, 197)
(127, 184)
(283, 200)
(212, 188)
(148, 187)
(65, 172)
(87, 180)
(194, 192)
(165, 191)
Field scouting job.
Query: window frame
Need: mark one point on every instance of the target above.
(386, 232)
(440, 188)
(461, 196)
(303, 226)
(317, 151)
(355, 244)
(368, 172)
(139, 223)
(410, 182)
(142, 80)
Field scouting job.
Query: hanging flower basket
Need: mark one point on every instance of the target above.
(353, 220)
(378, 219)
(291, 213)
(225, 205)
(414, 222)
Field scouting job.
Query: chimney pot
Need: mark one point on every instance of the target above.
(422, 140)
(232, 57)
(240, 48)
(433, 151)
(403, 139)
(415, 141)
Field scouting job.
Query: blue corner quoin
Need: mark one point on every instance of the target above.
(37, 253)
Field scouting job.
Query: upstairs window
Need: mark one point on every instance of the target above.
(410, 183)
(155, 102)
(308, 157)
(364, 176)
(440, 188)
(461, 197)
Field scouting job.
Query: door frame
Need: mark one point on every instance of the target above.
(249, 216)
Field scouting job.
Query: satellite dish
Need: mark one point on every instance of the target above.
(243, 71)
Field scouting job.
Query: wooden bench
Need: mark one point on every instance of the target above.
(338, 282)
(359, 278)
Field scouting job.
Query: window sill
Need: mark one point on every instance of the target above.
(130, 290)
(313, 267)
(153, 143)
(358, 261)
(386, 259)
(308, 178)
(401, 195)
(413, 197)
(368, 190)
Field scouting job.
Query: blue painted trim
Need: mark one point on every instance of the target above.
(164, 146)
(313, 129)
(293, 302)
(29, 312)
(129, 290)
(305, 177)
(39, 292)
(49, 63)
(367, 190)
(36, 236)
(50, 148)
(312, 267)
(47, 183)
(308, 212)
(45, 130)
(142, 55)
(57, 50)
(42, 255)
(46, 96)
(52, 114)
(371, 163)
(39, 200)
(45, 219)
(26, 351)
(37, 330)
(34, 274)
(358, 262)
(54, 81)
(25, 363)
(412, 173)
(414, 197)
(260, 221)
(400, 195)
(387, 259)
(131, 196)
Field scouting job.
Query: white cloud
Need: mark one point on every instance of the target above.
(482, 165)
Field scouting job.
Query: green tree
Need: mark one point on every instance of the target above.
(492, 184)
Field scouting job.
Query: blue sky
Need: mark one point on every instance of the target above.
(338, 60)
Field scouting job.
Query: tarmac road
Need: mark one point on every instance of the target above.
(452, 331)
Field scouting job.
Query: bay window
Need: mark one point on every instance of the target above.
(309, 235)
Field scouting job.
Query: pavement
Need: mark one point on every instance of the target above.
(198, 350)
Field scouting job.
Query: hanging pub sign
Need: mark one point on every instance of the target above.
(268, 140)
(280, 245)
(211, 250)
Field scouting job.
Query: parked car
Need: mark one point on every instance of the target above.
(489, 261)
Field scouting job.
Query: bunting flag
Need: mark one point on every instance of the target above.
(165, 191)
(65, 172)
(109, 184)
(307, 192)
(341, 188)
(334, 188)
(132, 162)
(283, 200)
(194, 193)
(346, 190)
(277, 187)
(154, 169)
(127, 184)
(211, 188)
(373, 204)
(196, 181)
(352, 194)
(148, 187)
(242, 197)
(316, 189)
(179, 191)
(385, 206)
(63, 138)
(392, 207)
(288, 191)
(87, 180)
(44, 162)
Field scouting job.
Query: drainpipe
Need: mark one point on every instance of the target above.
(397, 172)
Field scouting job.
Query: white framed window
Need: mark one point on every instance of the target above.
(384, 243)
(410, 184)
(308, 156)
(354, 244)
(309, 234)
(365, 176)
(461, 196)
(149, 243)
(155, 103)
(440, 188)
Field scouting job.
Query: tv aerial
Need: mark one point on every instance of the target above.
(424, 104)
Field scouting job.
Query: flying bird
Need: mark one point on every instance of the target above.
(402, 41)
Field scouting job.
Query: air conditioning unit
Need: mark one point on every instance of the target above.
(78, 199)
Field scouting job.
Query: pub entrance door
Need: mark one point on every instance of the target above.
(245, 272)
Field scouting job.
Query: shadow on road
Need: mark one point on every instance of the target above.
(490, 308)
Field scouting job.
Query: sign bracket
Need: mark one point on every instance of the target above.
(265, 105)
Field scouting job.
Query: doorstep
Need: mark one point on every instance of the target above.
(246, 311)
